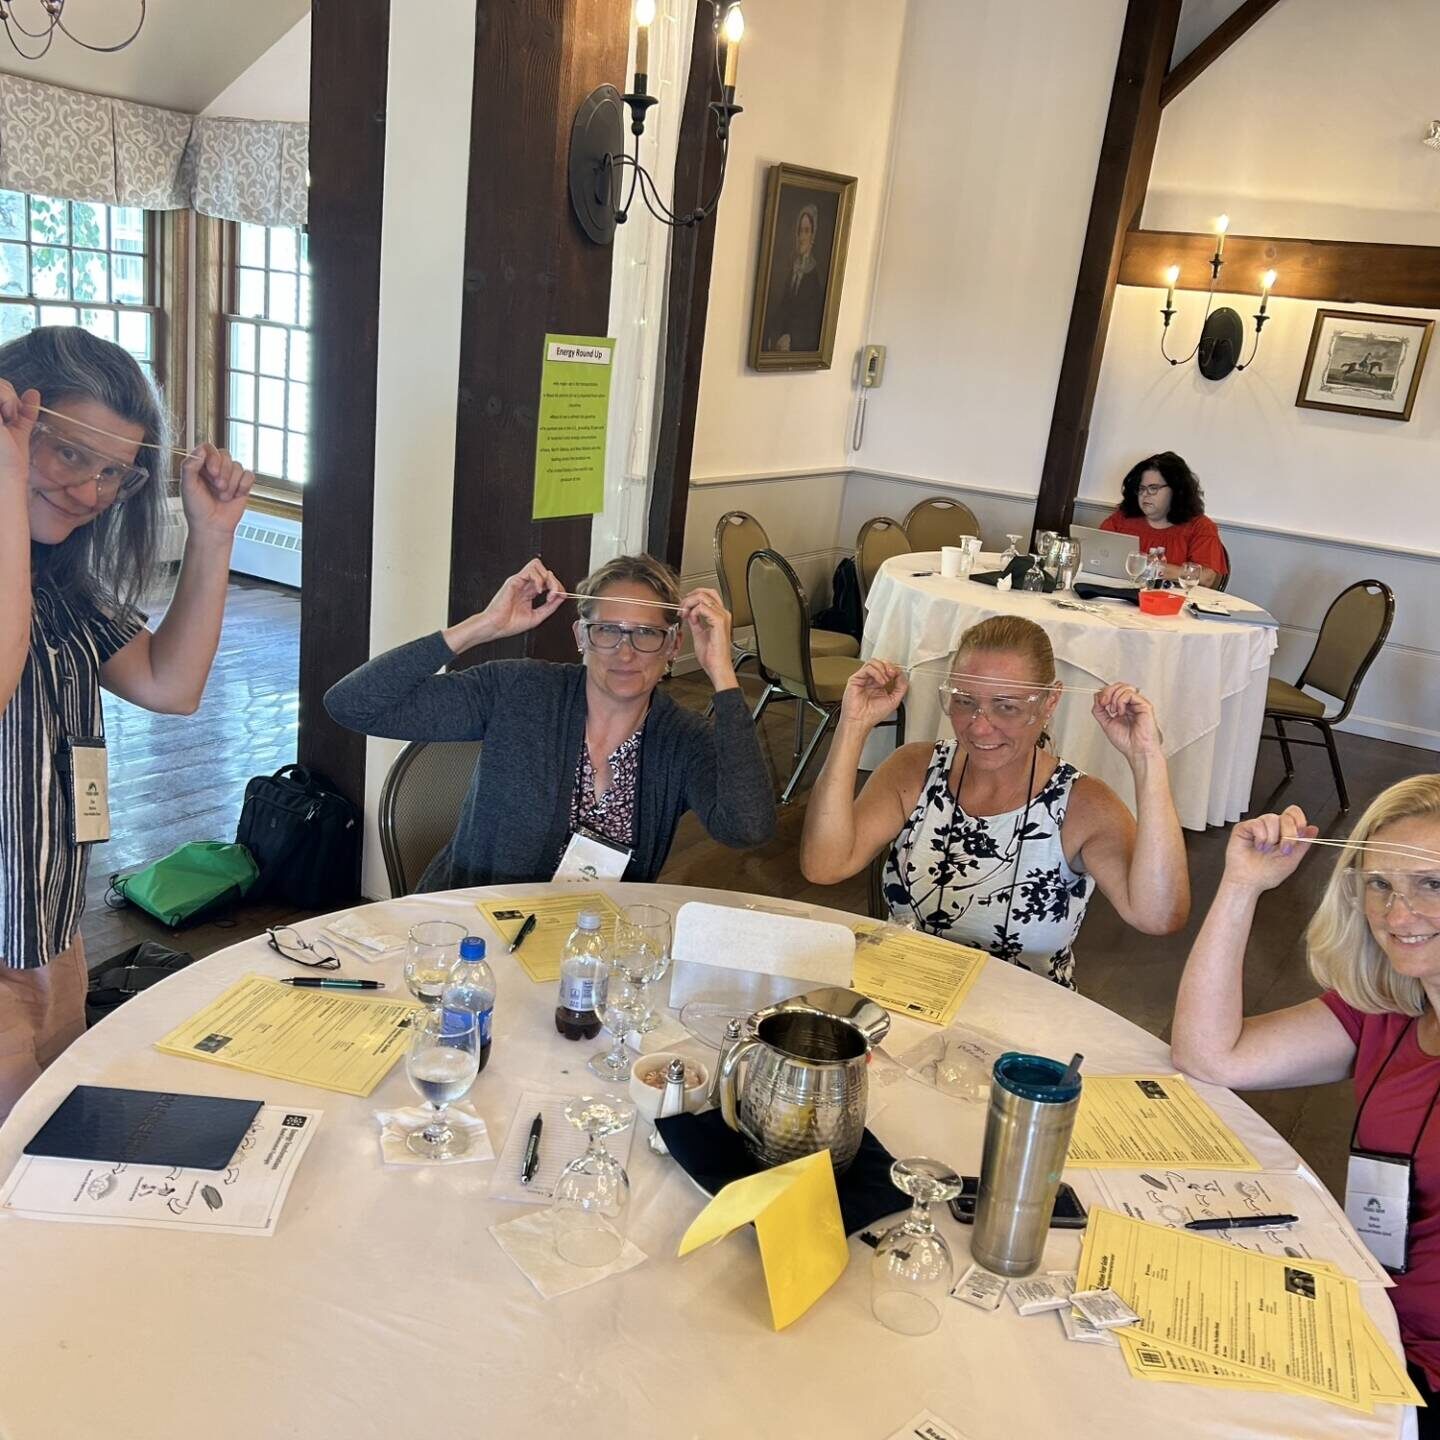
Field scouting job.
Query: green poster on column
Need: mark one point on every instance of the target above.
(570, 436)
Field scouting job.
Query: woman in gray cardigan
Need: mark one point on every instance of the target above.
(593, 748)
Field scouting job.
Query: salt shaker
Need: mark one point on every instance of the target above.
(672, 1101)
(731, 1040)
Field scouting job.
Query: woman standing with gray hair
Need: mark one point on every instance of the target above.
(80, 500)
(593, 752)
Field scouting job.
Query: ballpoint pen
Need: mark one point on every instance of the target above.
(306, 982)
(520, 934)
(531, 1163)
(1241, 1222)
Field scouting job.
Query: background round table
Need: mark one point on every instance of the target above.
(383, 1308)
(1206, 678)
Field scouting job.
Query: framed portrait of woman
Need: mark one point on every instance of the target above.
(803, 244)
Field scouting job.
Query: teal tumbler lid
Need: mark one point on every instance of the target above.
(1033, 1077)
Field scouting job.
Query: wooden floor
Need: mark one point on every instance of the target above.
(176, 779)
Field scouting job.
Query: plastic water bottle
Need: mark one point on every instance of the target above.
(472, 988)
(584, 970)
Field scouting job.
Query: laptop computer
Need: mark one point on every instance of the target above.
(1103, 552)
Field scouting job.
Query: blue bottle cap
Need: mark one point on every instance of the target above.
(472, 947)
(1033, 1077)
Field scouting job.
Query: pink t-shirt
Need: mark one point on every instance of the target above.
(1391, 1124)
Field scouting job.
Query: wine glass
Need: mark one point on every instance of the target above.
(642, 951)
(442, 1062)
(1189, 577)
(621, 1010)
(912, 1269)
(1011, 550)
(591, 1202)
(1067, 563)
(1034, 578)
(433, 949)
(1137, 562)
(1045, 543)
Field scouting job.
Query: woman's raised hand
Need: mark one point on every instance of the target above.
(1128, 720)
(525, 600)
(705, 615)
(873, 693)
(1266, 849)
(18, 414)
(214, 490)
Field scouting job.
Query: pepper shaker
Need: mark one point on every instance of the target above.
(732, 1039)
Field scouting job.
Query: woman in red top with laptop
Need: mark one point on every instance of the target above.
(1161, 503)
(1374, 944)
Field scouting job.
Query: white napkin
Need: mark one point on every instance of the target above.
(530, 1243)
(395, 1125)
(1005, 582)
(363, 937)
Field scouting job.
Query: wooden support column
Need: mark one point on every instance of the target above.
(1213, 46)
(348, 73)
(1126, 151)
(697, 173)
(529, 270)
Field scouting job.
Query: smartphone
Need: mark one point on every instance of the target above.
(1068, 1214)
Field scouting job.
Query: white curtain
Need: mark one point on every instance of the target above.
(638, 280)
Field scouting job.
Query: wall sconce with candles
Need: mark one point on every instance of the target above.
(1222, 332)
(598, 158)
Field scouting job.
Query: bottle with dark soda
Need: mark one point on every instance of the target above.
(584, 971)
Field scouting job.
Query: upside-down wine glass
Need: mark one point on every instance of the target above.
(591, 1203)
(912, 1269)
(1011, 550)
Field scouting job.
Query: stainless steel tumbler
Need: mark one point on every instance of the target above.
(1027, 1134)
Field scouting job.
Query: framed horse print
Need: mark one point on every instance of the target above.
(1362, 364)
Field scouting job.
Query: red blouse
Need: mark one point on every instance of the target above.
(1392, 1118)
(1197, 539)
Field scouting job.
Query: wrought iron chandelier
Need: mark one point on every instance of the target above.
(54, 19)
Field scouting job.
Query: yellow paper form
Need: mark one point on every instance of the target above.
(555, 917)
(796, 1214)
(913, 973)
(329, 1038)
(1278, 1321)
(1127, 1121)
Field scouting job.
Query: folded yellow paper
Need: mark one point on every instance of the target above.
(796, 1214)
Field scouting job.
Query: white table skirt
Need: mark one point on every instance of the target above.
(382, 1309)
(1206, 679)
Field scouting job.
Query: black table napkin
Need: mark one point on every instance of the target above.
(713, 1155)
(1016, 570)
(1089, 590)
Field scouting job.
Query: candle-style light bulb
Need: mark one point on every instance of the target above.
(1221, 226)
(1172, 275)
(644, 18)
(1267, 284)
(732, 30)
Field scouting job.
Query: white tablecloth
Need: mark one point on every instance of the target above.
(382, 1309)
(1206, 678)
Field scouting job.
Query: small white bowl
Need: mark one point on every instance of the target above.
(647, 1098)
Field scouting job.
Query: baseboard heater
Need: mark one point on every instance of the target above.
(268, 548)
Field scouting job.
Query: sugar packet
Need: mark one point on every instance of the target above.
(1041, 1293)
(1104, 1309)
(980, 1288)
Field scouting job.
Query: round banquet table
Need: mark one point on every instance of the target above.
(383, 1308)
(1206, 678)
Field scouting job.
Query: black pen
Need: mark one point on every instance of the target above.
(532, 1148)
(306, 983)
(521, 933)
(1241, 1222)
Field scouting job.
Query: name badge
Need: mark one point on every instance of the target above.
(1377, 1204)
(83, 765)
(587, 857)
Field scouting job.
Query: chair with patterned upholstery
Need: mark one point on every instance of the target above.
(1351, 634)
(737, 537)
(879, 540)
(938, 521)
(782, 638)
(420, 806)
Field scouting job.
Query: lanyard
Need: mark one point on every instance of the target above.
(1370, 1090)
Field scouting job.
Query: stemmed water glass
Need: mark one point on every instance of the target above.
(433, 949)
(1067, 563)
(1137, 562)
(912, 1269)
(621, 1009)
(642, 952)
(591, 1202)
(1189, 577)
(442, 1062)
(1045, 544)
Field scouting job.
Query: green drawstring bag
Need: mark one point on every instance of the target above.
(190, 883)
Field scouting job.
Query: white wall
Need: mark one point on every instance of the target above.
(276, 86)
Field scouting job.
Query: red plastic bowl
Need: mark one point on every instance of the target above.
(1161, 602)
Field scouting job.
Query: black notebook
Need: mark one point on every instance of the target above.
(145, 1127)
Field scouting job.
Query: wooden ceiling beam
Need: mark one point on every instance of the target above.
(1212, 47)
(1348, 271)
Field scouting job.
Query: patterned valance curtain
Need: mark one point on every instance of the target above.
(76, 146)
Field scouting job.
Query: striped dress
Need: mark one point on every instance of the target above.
(42, 873)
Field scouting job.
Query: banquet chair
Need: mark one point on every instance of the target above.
(1223, 583)
(782, 638)
(938, 521)
(420, 806)
(737, 537)
(879, 540)
(1351, 634)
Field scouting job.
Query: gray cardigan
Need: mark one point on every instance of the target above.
(530, 714)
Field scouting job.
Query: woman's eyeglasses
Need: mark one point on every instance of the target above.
(645, 639)
(287, 941)
(1004, 711)
(67, 464)
(1152, 489)
(1377, 890)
